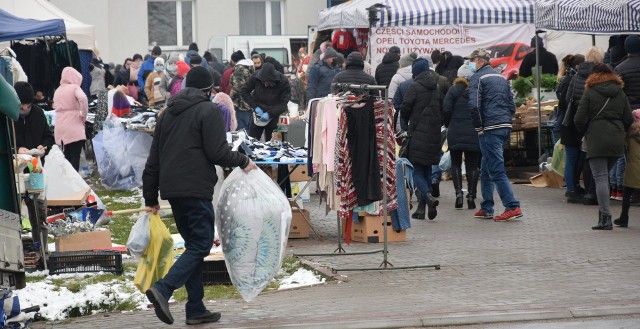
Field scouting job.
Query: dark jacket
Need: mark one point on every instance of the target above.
(397, 103)
(219, 67)
(189, 139)
(490, 100)
(272, 100)
(388, 68)
(215, 75)
(605, 133)
(569, 135)
(319, 80)
(122, 78)
(448, 68)
(561, 93)
(629, 71)
(461, 135)
(548, 61)
(422, 107)
(33, 130)
(354, 73)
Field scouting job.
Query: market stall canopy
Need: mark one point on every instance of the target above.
(592, 17)
(83, 34)
(354, 14)
(15, 28)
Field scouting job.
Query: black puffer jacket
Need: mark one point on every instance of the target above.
(461, 135)
(272, 99)
(388, 68)
(189, 140)
(33, 130)
(354, 72)
(629, 71)
(448, 68)
(422, 107)
(569, 135)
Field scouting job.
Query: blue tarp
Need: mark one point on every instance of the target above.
(16, 28)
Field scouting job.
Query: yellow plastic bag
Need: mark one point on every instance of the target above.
(158, 257)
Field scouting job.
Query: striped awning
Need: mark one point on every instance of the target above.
(428, 12)
(589, 16)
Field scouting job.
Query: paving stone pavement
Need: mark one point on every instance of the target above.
(549, 264)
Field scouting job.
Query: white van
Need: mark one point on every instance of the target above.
(280, 47)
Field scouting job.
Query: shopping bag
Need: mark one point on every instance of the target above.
(559, 159)
(254, 227)
(158, 258)
(139, 236)
(445, 161)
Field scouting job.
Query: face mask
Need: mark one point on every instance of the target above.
(472, 67)
(172, 68)
(159, 68)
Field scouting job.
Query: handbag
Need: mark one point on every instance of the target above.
(583, 146)
(568, 114)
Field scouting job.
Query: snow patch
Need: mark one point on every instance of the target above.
(125, 199)
(302, 277)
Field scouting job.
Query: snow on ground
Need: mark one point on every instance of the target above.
(302, 277)
(125, 199)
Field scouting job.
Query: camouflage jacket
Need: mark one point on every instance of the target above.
(239, 76)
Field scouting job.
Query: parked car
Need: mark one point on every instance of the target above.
(507, 57)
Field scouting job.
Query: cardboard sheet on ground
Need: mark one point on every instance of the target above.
(253, 224)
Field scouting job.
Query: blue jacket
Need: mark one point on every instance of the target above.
(319, 80)
(145, 69)
(490, 100)
(397, 101)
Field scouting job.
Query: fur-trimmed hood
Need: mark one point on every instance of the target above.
(461, 80)
(634, 131)
(607, 84)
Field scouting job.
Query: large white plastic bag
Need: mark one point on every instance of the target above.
(253, 225)
(121, 155)
(60, 176)
(139, 236)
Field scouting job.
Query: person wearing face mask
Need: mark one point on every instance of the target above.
(33, 132)
(321, 75)
(190, 139)
(122, 78)
(152, 85)
(491, 104)
(170, 73)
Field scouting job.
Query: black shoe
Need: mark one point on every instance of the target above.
(579, 190)
(574, 197)
(590, 200)
(435, 190)
(459, 200)
(432, 203)
(160, 304)
(419, 213)
(604, 223)
(622, 221)
(471, 203)
(207, 317)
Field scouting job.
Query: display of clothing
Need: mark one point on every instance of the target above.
(344, 42)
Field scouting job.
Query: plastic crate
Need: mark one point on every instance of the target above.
(85, 262)
(215, 272)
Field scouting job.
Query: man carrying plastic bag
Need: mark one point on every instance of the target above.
(189, 140)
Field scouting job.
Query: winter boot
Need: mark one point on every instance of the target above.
(435, 189)
(432, 203)
(456, 177)
(623, 221)
(419, 213)
(574, 197)
(472, 187)
(604, 223)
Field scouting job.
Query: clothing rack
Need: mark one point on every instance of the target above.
(385, 265)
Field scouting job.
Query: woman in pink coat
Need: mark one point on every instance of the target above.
(71, 106)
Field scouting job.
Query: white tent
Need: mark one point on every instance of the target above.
(351, 14)
(83, 34)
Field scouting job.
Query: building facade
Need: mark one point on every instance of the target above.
(125, 27)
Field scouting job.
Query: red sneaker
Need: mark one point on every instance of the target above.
(618, 196)
(482, 214)
(508, 215)
(612, 196)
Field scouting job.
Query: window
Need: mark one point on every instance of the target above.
(171, 22)
(260, 17)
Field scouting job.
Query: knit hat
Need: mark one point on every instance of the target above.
(121, 106)
(156, 51)
(158, 61)
(183, 68)
(237, 56)
(193, 46)
(395, 49)
(540, 42)
(330, 53)
(195, 59)
(419, 66)
(636, 115)
(24, 91)
(632, 44)
(464, 71)
(408, 59)
(354, 58)
(200, 78)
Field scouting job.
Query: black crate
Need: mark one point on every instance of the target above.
(85, 262)
(215, 272)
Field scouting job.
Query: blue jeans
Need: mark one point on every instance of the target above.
(617, 173)
(436, 172)
(244, 120)
(492, 170)
(422, 180)
(571, 159)
(194, 219)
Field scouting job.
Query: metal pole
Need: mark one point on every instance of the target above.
(538, 78)
(593, 40)
(385, 262)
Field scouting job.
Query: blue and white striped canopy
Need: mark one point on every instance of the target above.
(353, 14)
(589, 16)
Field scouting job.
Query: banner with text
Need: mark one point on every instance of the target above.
(507, 43)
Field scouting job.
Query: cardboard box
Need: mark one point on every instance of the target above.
(299, 226)
(295, 189)
(84, 241)
(370, 230)
(299, 174)
(547, 179)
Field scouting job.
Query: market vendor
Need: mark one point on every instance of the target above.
(34, 137)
